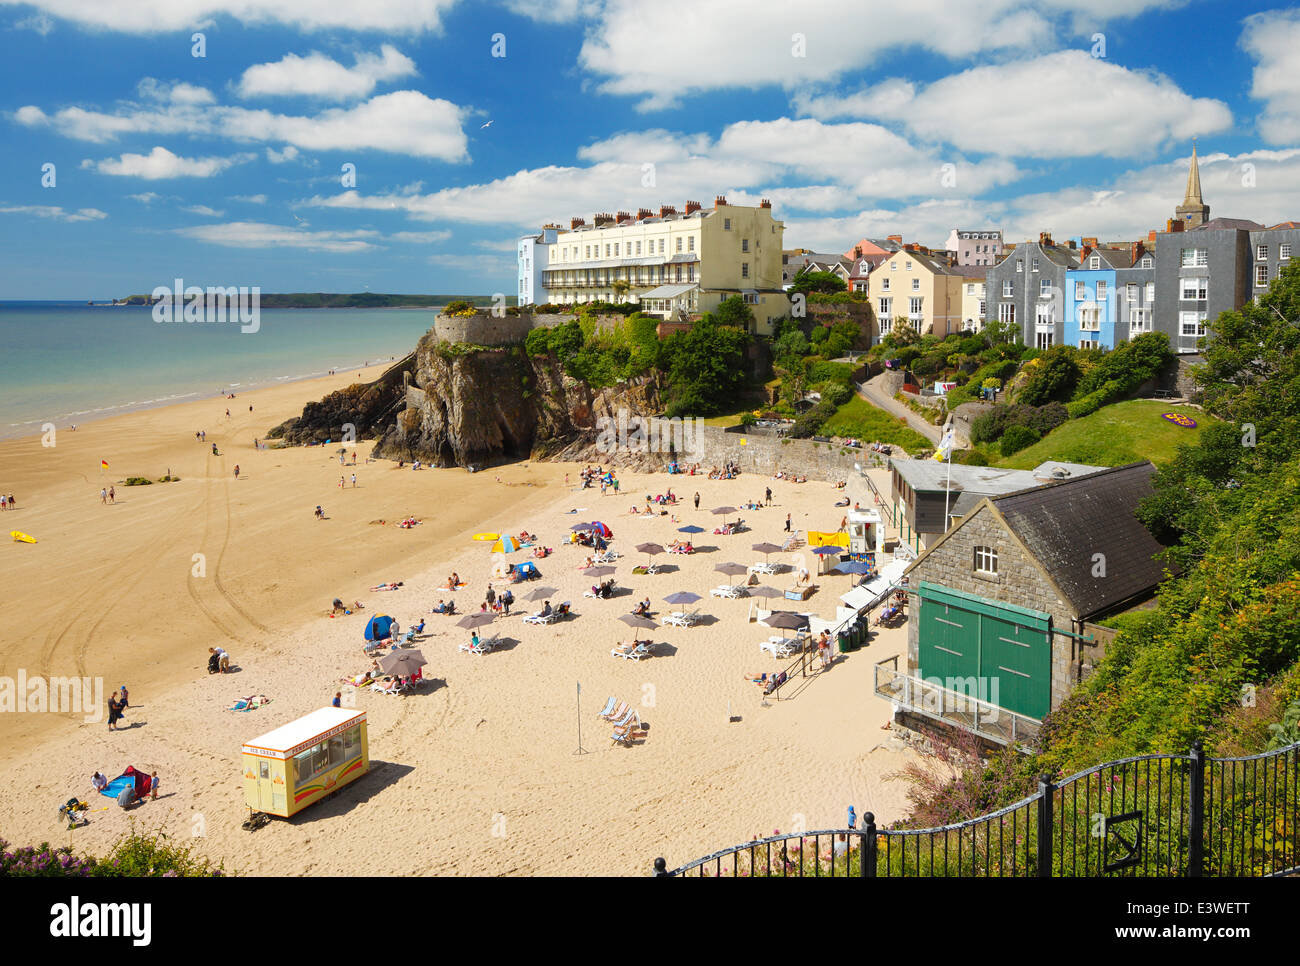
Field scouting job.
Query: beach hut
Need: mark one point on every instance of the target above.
(300, 763)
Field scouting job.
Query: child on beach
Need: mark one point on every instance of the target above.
(153, 787)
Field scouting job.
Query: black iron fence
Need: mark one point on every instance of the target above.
(1154, 815)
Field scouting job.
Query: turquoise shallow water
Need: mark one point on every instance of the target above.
(64, 362)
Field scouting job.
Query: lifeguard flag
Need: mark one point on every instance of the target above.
(103, 464)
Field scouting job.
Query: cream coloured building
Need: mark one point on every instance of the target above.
(674, 263)
(919, 287)
(974, 300)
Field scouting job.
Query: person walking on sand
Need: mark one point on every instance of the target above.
(769, 496)
(787, 523)
(354, 480)
(153, 787)
(103, 495)
(697, 501)
(112, 494)
(338, 700)
(340, 482)
(236, 471)
(114, 712)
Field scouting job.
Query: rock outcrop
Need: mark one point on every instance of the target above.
(472, 407)
(366, 407)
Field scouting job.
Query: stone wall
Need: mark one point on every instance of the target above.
(484, 328)
(765, 455)
(1018, 581)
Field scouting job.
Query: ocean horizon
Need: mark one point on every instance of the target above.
(65, 361)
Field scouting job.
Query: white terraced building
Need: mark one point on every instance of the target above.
(675, 263)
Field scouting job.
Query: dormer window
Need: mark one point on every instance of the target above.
(1094, 263)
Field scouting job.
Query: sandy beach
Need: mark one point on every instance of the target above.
(476, 776)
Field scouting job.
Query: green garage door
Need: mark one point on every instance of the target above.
(962, 636)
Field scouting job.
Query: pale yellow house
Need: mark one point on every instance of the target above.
(922, 288)
(974, 300)
(674, 263)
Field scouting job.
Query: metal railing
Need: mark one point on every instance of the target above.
(955, 708)
(1152, 815)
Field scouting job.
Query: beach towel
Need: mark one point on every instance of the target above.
(129, 778)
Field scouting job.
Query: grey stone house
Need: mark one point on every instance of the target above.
(1003, 604)
(1028, 288)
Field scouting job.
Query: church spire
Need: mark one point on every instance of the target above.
(1193, 196)
(1193, 211)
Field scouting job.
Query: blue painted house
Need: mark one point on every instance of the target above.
(1092, 300)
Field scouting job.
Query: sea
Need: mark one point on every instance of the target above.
(66, 362)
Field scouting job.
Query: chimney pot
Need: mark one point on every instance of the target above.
(895, 238)
(719, 201)
(765, 203)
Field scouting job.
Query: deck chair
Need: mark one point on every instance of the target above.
(624, 719)
(610, 703)
(617, 713)
(540, 618)
(482, 647)
(642, 649)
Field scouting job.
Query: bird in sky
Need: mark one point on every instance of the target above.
(484, 126)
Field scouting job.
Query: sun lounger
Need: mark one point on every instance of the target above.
(729, 591)
(540, 618)
(482, 647)
(762, 568)
(778, 646)
(390, 687)
(682, 618)
(634, 652)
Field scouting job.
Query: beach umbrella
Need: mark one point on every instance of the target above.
(731, 569)
(767, 593)
(691, 528)
(541, 593)
(506, 544)
(725, 512)
(600, 571)
(766, 548)
(487, 537)
(579, 527)
(823, 551)
(476, 620)
(786, 620)
(649, 549)
(404, 663)
(637, 621)
(853, 567)
(682, 597)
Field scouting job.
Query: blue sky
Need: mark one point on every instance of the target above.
(857, 120)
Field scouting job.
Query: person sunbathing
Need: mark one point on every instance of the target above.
(641, 609)
(587, 563)
(562, 610)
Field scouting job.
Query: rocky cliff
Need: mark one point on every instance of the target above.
(368, 408)
(470, 407)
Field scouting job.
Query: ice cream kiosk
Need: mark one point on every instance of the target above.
(299, 763)
(866, 534)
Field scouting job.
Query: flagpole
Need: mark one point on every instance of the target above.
(947, 489)
(578, 706)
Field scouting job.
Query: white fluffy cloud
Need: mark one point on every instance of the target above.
(55, 212)
(664, 50)
(160, 16)
(258, 199)
(317, 75)
(1104, 110)
(203, 210)
(255, 234)
(747, 161)
(401, 122)
(1273, 40)
(161, 163)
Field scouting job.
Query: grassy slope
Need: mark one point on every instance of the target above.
(859, 419)
(1115, 435)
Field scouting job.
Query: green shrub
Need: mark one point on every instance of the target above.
(1052, 379)
(748, 419)
(1017, 438)
(138, 481)
(970, 457)
(837, 371)
(538, 342)
(836, 393)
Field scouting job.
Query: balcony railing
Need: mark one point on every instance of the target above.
(954, 708)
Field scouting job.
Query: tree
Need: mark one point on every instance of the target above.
(734, 311)
(998, 332)
(828, 283)
(707, 368)
(621, 287)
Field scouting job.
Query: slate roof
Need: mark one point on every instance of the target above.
(1219, 224)
(1066, 524)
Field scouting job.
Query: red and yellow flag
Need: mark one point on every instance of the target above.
(103, 464)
